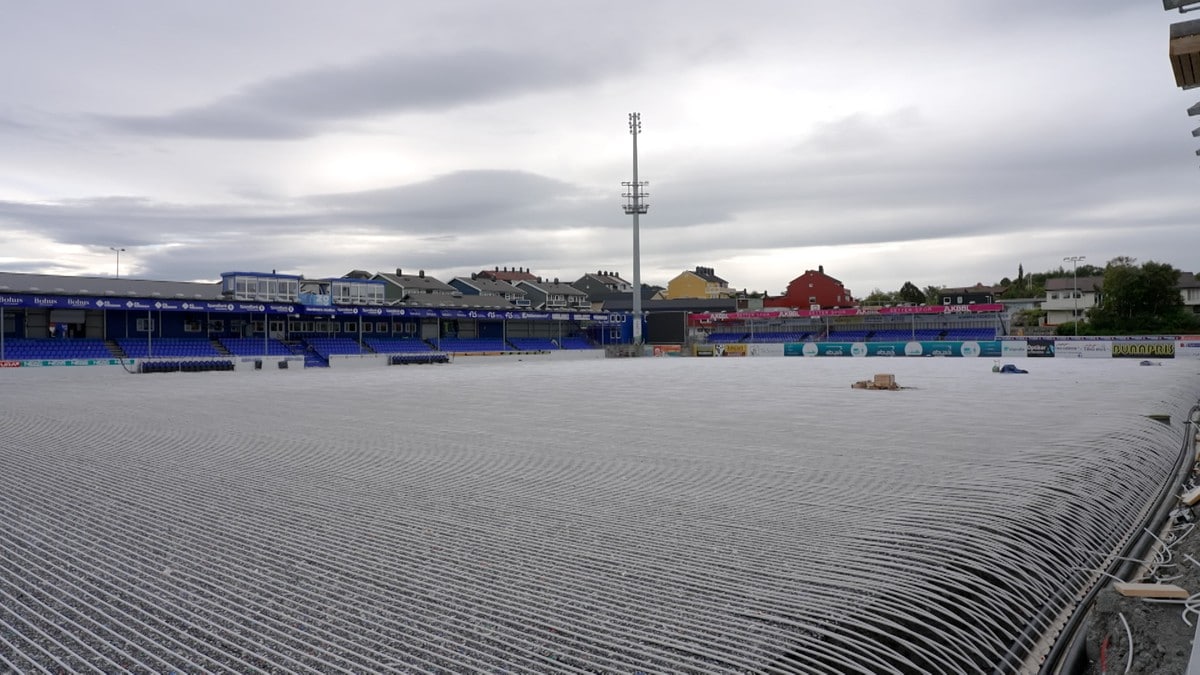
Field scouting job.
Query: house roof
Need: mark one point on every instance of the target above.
(414, 282)
(606, 278)
(18, 282)
(555, 287)
(485, 285)
(707, 274)
(445, 300)
(511, 276)
(1065, 283)
(977, 288)
(1188, 280)
(820, 272)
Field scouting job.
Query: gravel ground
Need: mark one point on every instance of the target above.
(1161, 633)
(635, 515)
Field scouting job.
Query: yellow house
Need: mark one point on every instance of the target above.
(701, 283)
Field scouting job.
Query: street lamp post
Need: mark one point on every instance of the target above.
(1074, 260)
(118, 252)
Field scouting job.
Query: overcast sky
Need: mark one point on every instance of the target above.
(935, 141)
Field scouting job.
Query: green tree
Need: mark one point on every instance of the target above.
(911, 293)
(879, 297)
(1141, 299)
(932, 294)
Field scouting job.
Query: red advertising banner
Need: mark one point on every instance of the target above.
(854, 311)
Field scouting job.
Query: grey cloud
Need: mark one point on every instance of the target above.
(469, 201)
(299, 105)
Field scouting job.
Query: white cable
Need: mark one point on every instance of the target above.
(1128, 643)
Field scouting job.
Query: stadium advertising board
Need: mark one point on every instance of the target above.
(1188, 346)
(668, 350)
(1014, 349)
(68, 362)
(885, 349)
(1039, 348)
(10, 364)
(767, 349)
(1082, 349)
(1143, 350)
(730, 350)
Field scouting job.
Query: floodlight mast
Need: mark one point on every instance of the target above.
(634, 206)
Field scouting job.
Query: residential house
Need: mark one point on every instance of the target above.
(1189, 290)
(1070, 297)
(401, 286)
(554, 295)
(602, 285)
(969, 295)
(814, 290)
(477, 286)
(699, 283)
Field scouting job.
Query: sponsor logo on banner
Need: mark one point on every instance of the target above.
(1156, 350)
(10, 364)
(668, 350)
(1082, 349)
(10, 300)
(810, 349)
(1014, 348)
(885, 349)
(767, 349)
(45, 302)
(77, 302)
(731, 350)
(970, 349)
(858, 349)
(1188, 347)
(833, 348)
(913, 349)
(1039, 348)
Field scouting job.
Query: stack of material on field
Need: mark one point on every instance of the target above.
(881, 381)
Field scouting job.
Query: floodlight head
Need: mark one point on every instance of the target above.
(1180, 5)
(1185, 53)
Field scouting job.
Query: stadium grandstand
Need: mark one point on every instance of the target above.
(93, 319)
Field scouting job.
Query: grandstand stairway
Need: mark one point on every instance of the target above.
(311, 358)
(115, 349)
(216, 344)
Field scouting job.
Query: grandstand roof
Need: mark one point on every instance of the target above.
(19, 282)
(624, 303)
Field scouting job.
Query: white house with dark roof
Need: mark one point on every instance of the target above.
(477, 286)
(1068, 297)
(401, 286)
(554, 295)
